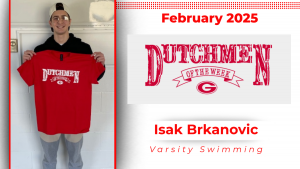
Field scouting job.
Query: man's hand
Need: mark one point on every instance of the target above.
(99, 57)
(27, 55)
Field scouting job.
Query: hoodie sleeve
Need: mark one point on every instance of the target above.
(88, 49)
(38, 48)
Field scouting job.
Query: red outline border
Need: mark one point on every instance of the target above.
(115, 86)
(290, 5)
(208, 5)
(9, 88)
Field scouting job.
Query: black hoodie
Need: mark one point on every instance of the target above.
(73, 44)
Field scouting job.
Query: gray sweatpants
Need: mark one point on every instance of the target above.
(50, 146)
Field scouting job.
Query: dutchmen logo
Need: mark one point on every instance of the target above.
(222, 54)
(61, 75)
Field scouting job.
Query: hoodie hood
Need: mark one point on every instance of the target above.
(73, 44)
(72, 39)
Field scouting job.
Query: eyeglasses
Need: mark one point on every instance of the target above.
(57, 18)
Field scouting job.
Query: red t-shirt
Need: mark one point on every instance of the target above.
(63, 89)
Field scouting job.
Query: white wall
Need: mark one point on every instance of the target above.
(98, 145)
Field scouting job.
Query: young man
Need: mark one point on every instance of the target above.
(63, 41)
